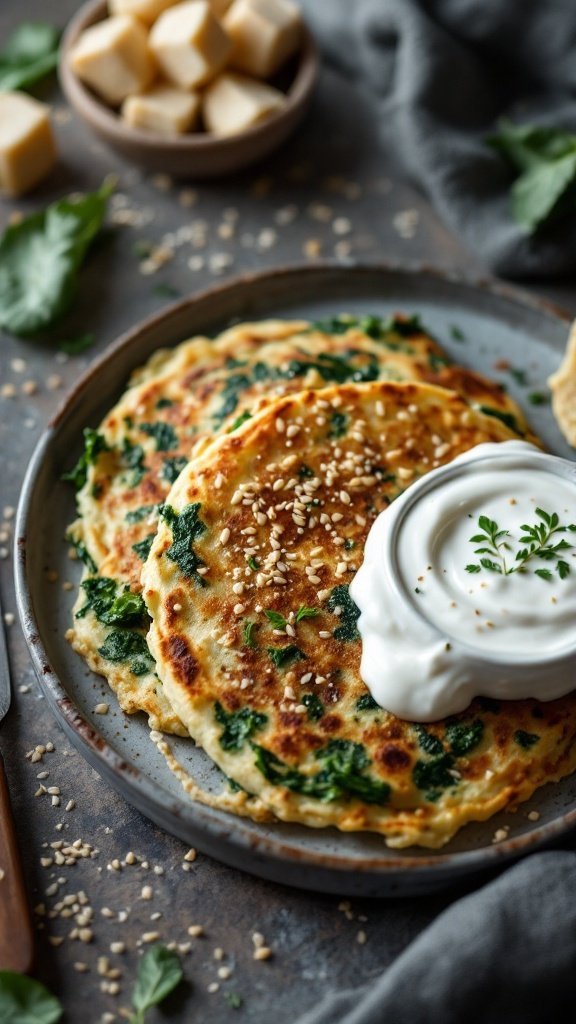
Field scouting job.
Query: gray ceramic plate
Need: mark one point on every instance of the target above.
(481, 326)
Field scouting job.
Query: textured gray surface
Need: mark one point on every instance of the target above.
(335, 164)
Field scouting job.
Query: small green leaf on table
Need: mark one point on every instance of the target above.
(545, 160)
(40, 258)
(25, 1001)
(30, 53)
(159, 972)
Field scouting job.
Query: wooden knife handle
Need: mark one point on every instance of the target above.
(16, 936)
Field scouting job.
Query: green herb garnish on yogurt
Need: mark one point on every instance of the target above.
(537, 543)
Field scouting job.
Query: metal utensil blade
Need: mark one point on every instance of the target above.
(5, 692)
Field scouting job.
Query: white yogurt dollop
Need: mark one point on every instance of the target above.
(443, 622)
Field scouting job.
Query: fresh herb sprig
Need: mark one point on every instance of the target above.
(28, 55)
(498, 555)
(159, 972)
(25, 1001)
(544, 158)
(40, 257)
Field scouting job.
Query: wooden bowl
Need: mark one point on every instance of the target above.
(196, 154)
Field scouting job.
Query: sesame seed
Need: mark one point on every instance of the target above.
(195, 930)
(533, 815)
(280, 425)
(361, 937)
(262, 953)
(147, 892)
(191, 855)
(101, 709)
(150, 937)
(225, 535)
(239, 609)
(117, 947)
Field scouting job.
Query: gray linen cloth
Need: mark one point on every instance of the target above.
(504, 955)
(440, 73)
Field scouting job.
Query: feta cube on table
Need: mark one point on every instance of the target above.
(27, 149)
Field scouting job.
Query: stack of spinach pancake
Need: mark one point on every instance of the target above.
(224, 503)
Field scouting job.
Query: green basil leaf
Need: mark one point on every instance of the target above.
(25, 1001)
(30, 53)
(159, 972)
(40, 258)
(536, 192)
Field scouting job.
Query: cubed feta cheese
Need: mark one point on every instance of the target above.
(189, 43)
(264, 34)
(27, 149)
(163, 108)
(234, 102)
(113, 58)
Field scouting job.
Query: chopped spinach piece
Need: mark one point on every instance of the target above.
(519, 376)
(165, 291)
(137, 515)
(172, 468)
(235, 385)
(538, 398)
(242, 418)
(375, 327)
(234, 1000)
(248, 638)
(253, 563)
(437, 362)
(142, 547)
(367, 703)
(133, 458)
(127, 645)
(457, 333)
(525, 739)
(429, 743)
(238, 726)
(283, 656)
(433, 776)
(75, 346)
(186, 527)
(94, 445)
(343, 763)
(82, 552)
(338, 424)
(163, 434)
(464, 736)
(333, 369)
(348, 628)
(111, 604)
(505, 417)
(305, 473)
(314, 706)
